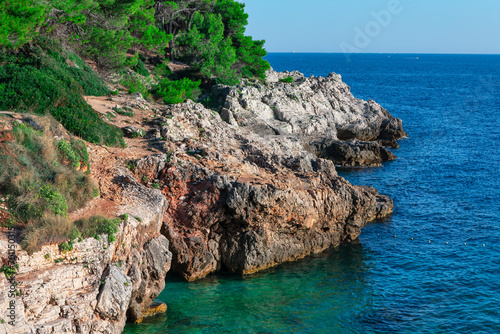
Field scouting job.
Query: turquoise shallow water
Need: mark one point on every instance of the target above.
(446, 188)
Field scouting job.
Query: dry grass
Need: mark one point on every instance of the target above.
(49, 229)
(42, 188)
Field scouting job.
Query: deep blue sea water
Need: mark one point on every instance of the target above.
(446, 187)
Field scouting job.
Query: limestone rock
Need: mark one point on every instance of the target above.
(249, 197)
(312, 109)
(148, 277)
(131, 131)
(63, 293)
(114, 294)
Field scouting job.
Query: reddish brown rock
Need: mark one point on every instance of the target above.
(241, 203)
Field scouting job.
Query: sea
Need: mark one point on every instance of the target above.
(434, 266)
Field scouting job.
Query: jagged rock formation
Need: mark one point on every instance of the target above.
(241, 190)
(90, 289)
(242, 201)
(319, 112)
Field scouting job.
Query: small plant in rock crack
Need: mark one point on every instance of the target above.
(66, 246)
(287, 80)
(132, 165)
(9, 270)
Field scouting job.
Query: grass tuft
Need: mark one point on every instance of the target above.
(38, 174)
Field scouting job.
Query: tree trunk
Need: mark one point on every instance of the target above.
(171, 43)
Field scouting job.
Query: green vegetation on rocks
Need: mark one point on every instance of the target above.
(40, 177)
(287, 80)
(43, 81)
(176, 91)
(43, 45)
(95, 226)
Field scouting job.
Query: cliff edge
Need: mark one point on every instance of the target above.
(238, 189)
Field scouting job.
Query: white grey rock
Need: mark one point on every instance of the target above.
(114, 295)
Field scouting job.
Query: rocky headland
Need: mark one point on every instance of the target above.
(240, 189)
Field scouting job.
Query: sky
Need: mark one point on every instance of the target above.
(376, 26)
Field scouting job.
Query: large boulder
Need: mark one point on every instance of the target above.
(115, 293)
(353, 153)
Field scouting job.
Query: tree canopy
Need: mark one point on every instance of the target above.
(209, 35)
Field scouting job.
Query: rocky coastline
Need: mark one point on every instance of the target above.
(240, 189)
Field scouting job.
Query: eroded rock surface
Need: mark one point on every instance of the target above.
(242, 189)
(243, 201)
(313, 110)
(90, 289)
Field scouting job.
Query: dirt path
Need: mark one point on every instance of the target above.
(104, 160)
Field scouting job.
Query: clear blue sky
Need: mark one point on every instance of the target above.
(414, 26)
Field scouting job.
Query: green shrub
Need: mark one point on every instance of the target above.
(95, 226)
(92, 84)
(156, 185)
(9, 270)
(140, 134)
(53, 200)
(68, 154)
(141, 69)
(132, 61)
(173, 92)
(135, 85)
(287, 80)
(110, 115)
(41, 81)
(66, 246)
(80, 149)
(162, 70)
(227, 81)
(122, 112)
(132, 165)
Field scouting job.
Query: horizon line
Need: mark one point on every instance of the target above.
(389, 53)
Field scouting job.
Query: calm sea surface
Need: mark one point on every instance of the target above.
(446, 187)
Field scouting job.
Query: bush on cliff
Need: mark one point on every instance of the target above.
(95, 226)
(176, 91)
(287, 80)
(44, 80)
(41, 177)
